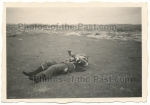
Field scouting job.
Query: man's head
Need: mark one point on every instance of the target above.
(78, 58)
(82, 59)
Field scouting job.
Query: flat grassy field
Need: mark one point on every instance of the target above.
(108, 59)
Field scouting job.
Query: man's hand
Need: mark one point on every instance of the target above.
(69, 52)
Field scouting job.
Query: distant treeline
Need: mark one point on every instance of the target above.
(129, 27)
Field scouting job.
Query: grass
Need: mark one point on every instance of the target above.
(107, 58)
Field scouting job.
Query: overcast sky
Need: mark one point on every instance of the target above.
(74, 15)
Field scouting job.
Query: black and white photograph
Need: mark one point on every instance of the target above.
(65, 52)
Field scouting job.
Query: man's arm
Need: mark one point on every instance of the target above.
(80, 69)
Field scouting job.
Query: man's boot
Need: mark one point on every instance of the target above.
(38, 78)
(30, 74)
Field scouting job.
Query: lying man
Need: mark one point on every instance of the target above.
(48, 69)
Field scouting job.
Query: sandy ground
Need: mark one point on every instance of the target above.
(107, 59)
